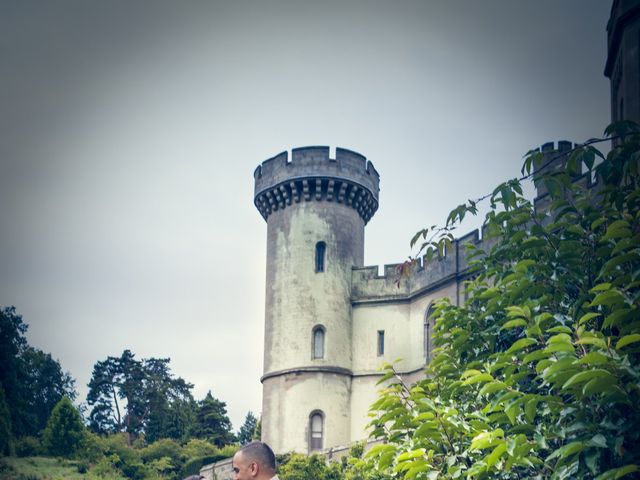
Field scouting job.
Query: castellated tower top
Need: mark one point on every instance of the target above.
(311, 175)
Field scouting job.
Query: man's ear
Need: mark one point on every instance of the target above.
(254, 469)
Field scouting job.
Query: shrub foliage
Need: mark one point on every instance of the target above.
(536, 375)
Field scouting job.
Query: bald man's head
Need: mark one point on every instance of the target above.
(254, 460)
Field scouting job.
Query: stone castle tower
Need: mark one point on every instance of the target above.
(316, 209)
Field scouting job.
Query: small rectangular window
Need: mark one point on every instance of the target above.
(380, 342)
(321, 248)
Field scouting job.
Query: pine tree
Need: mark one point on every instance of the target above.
(248, 429)
(212, 422)
(65, 431)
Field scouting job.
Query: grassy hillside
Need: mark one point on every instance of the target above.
(41, 468)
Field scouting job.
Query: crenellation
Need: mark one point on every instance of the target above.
(564, 146)
(372, 171)
(367, 285)
(351, 160)
(310, 155)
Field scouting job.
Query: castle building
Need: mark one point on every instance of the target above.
(330, 321)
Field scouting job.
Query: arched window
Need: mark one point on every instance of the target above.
(316, 431)
(428, 331)
(321, 249)
(317, 338)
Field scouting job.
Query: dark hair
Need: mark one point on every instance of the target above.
(261, 453)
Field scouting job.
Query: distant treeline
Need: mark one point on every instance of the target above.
(138, 402)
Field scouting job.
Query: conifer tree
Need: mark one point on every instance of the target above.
(65, 431)
(248, 429)
(212, 422)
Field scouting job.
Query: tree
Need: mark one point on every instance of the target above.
(139, 396)
(47, 385)
(257, 434)
(248, 429)
(212, 422)
(536, 375)
(12, 344)
(5, 425)
(65, 430)
(33, 382)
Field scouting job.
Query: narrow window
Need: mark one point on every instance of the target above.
(316, 426)
(380, 342)
(318, 342)
(321, 248)
(428, 330)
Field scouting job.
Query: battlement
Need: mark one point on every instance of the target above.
(453, 266)
(312, 175)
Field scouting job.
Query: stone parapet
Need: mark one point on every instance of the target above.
(312, 176)
(369, 287)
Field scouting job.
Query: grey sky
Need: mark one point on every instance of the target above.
(129, 132)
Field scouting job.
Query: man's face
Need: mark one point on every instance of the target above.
(243, 469)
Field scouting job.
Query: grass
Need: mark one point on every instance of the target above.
(40, 468)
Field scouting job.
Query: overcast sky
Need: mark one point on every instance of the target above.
(130, 130)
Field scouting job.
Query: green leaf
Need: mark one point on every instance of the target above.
(627, 340)
(470, 373)
(559, 347)
(616, 473)
(519, 322)
(593, 358)
(530, 409)
(598, 385)
(568, 450)
(616, 317)
(487, 439)
(520, 344)
(535, 355)
(494, 456)
(386, 459)
(492, 387)
(483, 377)
(601, 287)
(598, 441)
(608, 298)
(523, 265)
(417, 468)
(596, 223)
(560, 329)
(599, 342)
(411, 455)
(618, 224)
(586, 376)
(588, 316)
(559, 338)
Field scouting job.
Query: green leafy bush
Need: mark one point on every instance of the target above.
(297, 466)
(197, 448)
(537, 375)
(164, 447)
(27, 446)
